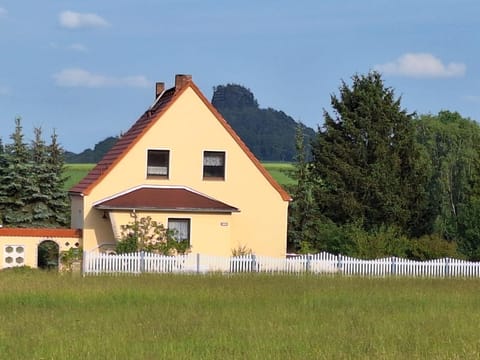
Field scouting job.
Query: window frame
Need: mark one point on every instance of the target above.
(205, 175)
(189, 227)
(158, 176)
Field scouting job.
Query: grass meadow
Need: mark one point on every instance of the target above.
(50, 316)
(280, 171)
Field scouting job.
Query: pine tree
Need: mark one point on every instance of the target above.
(40, 190)
(58, 202)
(303, 215)
(16, 182)
(366, 156)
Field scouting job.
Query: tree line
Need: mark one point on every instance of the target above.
(380, 181)
(32, 182)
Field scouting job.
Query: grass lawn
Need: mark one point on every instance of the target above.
(255, 316)
(75, 173)
(280, 171)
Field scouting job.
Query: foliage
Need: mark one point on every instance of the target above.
(304, 218)
(452, 145)
(268, 133)
(32, 183)
(385, 241)
(241, 250)
(146, 234)
(48, 255)
(69, 257)
(432, 246)
(367, 158)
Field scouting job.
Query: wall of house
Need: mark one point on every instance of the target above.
(23, 250)
(187, 129)
(210, 232)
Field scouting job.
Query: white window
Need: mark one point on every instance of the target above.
(158, 162)
(214, 165)
(13, 255)
(180, 229)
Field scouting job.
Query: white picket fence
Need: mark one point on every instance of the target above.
(143, 262)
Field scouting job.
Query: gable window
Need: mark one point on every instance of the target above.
(180, 229)
(214, 165)
(158, 163)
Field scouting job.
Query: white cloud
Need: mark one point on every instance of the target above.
(75, 77)
(78, 47)
(421, 65)
(75, 20)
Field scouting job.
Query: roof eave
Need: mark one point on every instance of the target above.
(158, 209)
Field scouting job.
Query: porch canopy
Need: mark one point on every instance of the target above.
(166, 199)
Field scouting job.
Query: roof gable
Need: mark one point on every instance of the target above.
(145, 122)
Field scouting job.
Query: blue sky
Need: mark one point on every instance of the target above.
(87, 68)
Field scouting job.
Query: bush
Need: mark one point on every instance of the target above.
(432, 247)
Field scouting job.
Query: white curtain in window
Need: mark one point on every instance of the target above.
(180, 227)
(213, 159)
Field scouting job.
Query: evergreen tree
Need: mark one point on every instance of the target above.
(3, 172)
(366, 156)
(40, 190)
(16, 182)
(58, 201)
(304, 219)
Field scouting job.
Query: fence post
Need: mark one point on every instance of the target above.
(339, 262)
(142, 262)
(393, 266)
(254, 263)
(198, 263)
(307, 264)
(84, 262)
(447, 267)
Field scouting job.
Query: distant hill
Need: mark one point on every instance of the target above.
(269, 133)
(91, 156)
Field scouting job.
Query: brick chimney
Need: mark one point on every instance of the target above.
(182, 80)
(159, 88)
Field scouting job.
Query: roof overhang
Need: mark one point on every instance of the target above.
(163, 199)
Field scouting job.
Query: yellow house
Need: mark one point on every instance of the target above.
(184, 166)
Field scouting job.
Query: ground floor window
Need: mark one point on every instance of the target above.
(180, 229)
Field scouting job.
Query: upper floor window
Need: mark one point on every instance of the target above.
(214, 165)
(158, 163)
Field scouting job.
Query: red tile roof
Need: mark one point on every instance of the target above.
(146, 121)
(159, 198)
(41, 232)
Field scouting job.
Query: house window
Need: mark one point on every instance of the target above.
(180, 229)
(214, 165)
(158, 163)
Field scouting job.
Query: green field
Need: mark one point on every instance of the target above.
(280, 172)
(75, 173)
(51, 316)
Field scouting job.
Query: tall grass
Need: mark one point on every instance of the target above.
(49, 316)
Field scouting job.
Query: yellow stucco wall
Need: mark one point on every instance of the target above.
(187, 129)
(30, 248)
